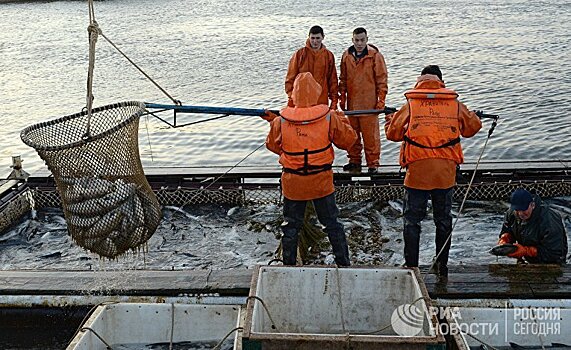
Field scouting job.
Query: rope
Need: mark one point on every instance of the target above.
(463, 200)
(480, 341)
(265, 308)
(219, 345)
(388, 325)
(80, 329)
(98, 336)
(176, 102)
(149, 137)
(539, 336)
(93, 31)
(221, 176)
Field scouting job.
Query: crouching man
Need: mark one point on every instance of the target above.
(536, 230)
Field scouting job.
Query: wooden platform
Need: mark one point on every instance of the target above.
(464, 282)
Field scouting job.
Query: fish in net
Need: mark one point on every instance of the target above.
(108, 203)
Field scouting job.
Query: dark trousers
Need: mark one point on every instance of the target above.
(415, 203)
(327, 213)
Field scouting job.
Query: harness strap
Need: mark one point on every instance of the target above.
(306, 152)
(308, 169)
(447, 144)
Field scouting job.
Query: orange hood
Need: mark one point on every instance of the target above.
(429, 81)
(306, 90)
(305, 93)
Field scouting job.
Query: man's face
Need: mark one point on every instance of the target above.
(524, 215)
(360, 41)
(315, 41)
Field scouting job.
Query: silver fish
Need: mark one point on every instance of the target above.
(99, 206)
(82, 222)
(104, 226)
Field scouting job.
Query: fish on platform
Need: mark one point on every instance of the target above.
(503, 250)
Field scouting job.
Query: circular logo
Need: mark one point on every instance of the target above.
(407, 320)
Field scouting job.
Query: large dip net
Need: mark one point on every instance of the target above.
(94, 157)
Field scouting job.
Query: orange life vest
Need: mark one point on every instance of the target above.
(433, 130)
(306, 147)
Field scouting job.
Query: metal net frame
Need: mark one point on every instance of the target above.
(94, 157)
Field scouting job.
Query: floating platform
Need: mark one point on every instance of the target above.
(494, 281)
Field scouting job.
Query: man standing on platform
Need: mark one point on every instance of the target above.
(320, 62)
(303, 137)
(363, 86)
(430, 125)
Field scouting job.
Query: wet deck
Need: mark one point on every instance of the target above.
(464, 282)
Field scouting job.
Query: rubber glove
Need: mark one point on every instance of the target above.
(269, 116)
(290, 102)
(505, 238)
(524, 251)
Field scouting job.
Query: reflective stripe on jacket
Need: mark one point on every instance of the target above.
(306, 147)
(434, 128)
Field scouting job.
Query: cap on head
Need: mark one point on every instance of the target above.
(520, 199)
(432, 69)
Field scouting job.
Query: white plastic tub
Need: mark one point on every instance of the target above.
(326, 307)
(525, 325)
(146, 323)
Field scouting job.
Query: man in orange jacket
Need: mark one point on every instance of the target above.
(303, 138)
(362, 86)
(537, 229)
(430, 125)
(320, 62)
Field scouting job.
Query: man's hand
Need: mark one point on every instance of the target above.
(269, 115)
(505, 238)
(524, 251)
(380, 105)
(290, 102)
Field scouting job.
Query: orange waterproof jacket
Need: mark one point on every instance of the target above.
(306, 147)
(438, 170)
(363, 83)
(321, 64)
(434, 128)
(306, 128)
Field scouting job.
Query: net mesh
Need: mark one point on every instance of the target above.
(107, 201)
(44, 197)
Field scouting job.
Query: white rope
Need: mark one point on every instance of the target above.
(175, 101)
(461, 208)
(93, 31)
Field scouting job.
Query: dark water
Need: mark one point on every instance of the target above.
(510, 57)
(227, 345)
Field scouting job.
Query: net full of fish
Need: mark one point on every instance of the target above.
(94, 157)
(108, 217)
